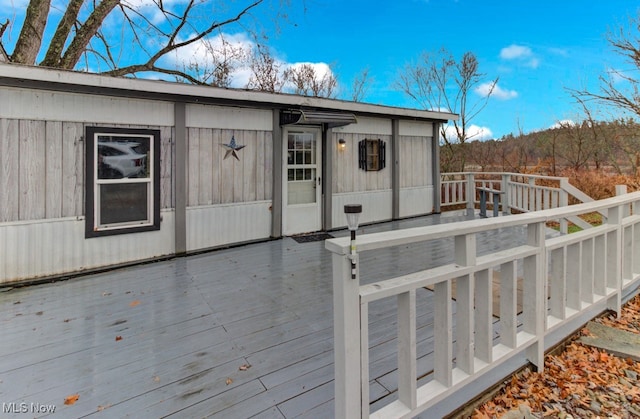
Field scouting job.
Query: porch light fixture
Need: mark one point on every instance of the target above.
(342, 144)
(352, 212)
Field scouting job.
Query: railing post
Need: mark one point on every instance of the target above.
(532, 195)
(471, 192)
(346, 314)
(621, 190)
(465, 255)
(534, 291)
(506, 196)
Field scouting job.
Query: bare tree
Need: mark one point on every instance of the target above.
(153, 29)
(266, 73)
(429, 82)
(221, 59)
(361, 85)
(306, 80)
(622, 96)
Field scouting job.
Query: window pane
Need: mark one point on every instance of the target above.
(299, 174)
(290, 175)
(123, 157)
(299, 155)
(121, 203)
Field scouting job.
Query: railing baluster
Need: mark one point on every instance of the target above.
(600, 266)
(557, 283)
(573, 276)
(442, 334)
(588, 258)
(627, 256)
(635, 253)
(508, 304)
(483, 315)
(407, 381)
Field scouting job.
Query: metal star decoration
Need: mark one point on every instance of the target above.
(231, 148)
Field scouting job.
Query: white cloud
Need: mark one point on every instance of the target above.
(498, 92)
(515, 52)
(522, 54)
(563, 123)
(474, 132)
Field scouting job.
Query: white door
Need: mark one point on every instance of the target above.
(302, 193)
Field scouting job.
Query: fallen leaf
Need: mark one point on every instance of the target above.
(134, 303)
(39, 313)
(156, 379)
(101, 408)
(118, 338)
(229, 381)
(69, 400)
(104, 294)
(244, 367)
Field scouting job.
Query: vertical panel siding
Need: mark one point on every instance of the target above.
(72, 169)
(415, 162)
(216, 180)
(9, 158)
(32, 170)
(53, 168)
(347, 176)
(167, 167)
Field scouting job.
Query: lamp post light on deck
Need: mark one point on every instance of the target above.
(352, 212)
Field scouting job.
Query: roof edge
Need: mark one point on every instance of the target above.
(82, 80)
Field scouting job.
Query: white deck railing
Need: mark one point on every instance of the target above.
(522, 192)
(562, 277)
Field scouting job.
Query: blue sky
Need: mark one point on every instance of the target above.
(537, 49)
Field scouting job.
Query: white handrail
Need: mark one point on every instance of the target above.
(562, 278)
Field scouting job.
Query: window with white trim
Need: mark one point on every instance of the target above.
(122, 180)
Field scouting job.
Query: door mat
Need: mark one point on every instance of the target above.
(496, 293)
(308, 238)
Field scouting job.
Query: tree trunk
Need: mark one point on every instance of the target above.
(79, 44)
(30, 39)
(54, 53)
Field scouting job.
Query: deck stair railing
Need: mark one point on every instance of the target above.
(520, 192)
(563, 279)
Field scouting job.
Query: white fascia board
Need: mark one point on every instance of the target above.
(194, 92)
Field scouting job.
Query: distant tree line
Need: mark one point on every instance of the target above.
(611, 146)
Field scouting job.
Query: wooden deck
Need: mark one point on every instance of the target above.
(235, 333)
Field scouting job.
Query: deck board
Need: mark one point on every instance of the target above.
(168, 339)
